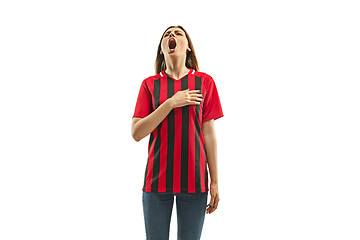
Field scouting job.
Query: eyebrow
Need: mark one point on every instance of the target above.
(175, 31)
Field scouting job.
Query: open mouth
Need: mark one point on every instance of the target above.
(172, 44)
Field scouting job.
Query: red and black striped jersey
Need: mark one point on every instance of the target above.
(177, 160)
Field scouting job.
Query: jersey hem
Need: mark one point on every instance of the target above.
(171, 191)
(140, 116)
(214, 117)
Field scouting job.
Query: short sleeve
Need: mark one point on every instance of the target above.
(212, 107)
(143, 105)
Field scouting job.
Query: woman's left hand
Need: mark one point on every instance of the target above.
(214, 192)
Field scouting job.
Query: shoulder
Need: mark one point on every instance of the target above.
(206, 79)
(148, 81)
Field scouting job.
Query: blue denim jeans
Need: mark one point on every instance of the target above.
(190, 208)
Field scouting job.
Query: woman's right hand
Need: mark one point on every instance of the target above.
(186, 97)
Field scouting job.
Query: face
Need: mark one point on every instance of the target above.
(180, 39)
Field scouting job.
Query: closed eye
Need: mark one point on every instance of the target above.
(168, 34)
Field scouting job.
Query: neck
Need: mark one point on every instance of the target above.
(176, 68)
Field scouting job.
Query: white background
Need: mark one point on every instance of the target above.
(287, 73)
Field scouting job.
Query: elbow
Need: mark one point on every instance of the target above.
(136, 136)
(136, 133)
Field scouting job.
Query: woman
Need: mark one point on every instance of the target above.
(177, 107)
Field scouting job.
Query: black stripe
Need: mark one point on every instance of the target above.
(184, 141)
(197, 141)
(156, 163)
(171, 140)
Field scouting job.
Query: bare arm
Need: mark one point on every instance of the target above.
(141, 127)
(208, 130)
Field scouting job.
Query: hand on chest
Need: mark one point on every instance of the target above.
(165, 88)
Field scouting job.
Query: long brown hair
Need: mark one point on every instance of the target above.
(190, 62)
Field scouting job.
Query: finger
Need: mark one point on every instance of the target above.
(211, 203)
(214, 207)
(194, 91)
(185, 90)
(194, 95)
(216, 202)
(193, 103)
(208, 207)
(212, 210)
(196, 99)
(197, 95)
